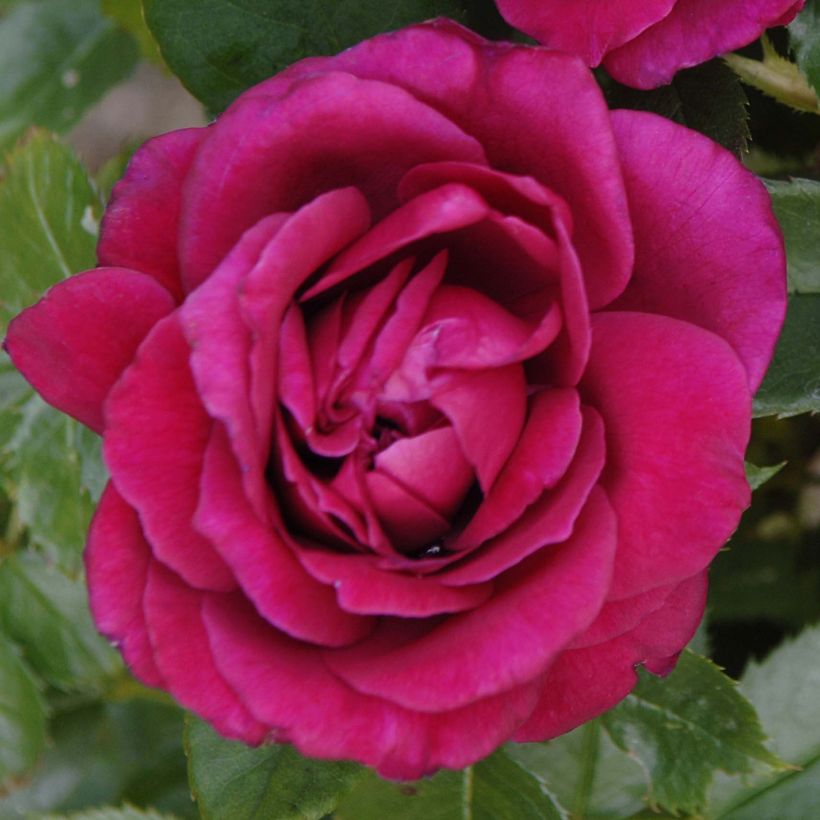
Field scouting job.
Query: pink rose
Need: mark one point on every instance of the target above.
(424, 382)
(643, 43)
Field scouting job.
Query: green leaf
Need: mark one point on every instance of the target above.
(127, 14)
(57, 58)
(50, 215)
(47, 614)
(708, 98)
(498, 788)
(124, 813)
(219, 48)
(758, 476)
(792, 383)
(797, 207)
(684, 728)
(587, 773)
(230, 779)
(804, 33)
(22, 716)
(107, 754)
(784, 691)
(54, 472)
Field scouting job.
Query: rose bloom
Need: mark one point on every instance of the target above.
(424, 382)
(642, 43)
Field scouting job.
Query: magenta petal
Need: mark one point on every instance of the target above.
(435, 212)
(588, 28)
(268, 572)
(431, 466)
(358, 132)
(549, 520)
(140, 229)
(464, 329)
(364, 588)
(544, 451)
(583, 683)
(694, 31)
(116, 561)
(676, 406)
(506, 642)
(313, 235)
(397, 332)
(317, 506)
(76, 341)
(220, 348)
(520, 196)
(411, 522)
(561, 136)
(694, 259)
(287, 686)
(156, 433)
(184, 657)
(367, 315)
(472, 397)
(296, 388)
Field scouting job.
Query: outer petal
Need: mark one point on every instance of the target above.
(184, 657)
(117, 559)
(141, 224)
(508, 641)
(695, 260)
(76, 341)
(588, 28)
(693, 32)
(330, 131)
(534, 111)
(583, 683)
(677, 412)
(286, 685)
(156, 432)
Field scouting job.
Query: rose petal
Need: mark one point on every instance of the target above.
(520, 196)
(676, 407)
(694, 31)
(472, 397)
(583, 683)
(364, 588)
(559, 134)
(542, 455)
(504, 643)
(76, 341)
(431, 466)
(313, 235)
(694, 260)
(117, 558)
(399, 329)
(464, 329)
(435, 212)
(156, 433)
(588, 28)
(358, 132)
(549, 520)
(287, 686)
(267, 571)
(140, 229)
(184, 658)
(408, 519)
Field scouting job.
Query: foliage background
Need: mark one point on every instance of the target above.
(80, 738)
